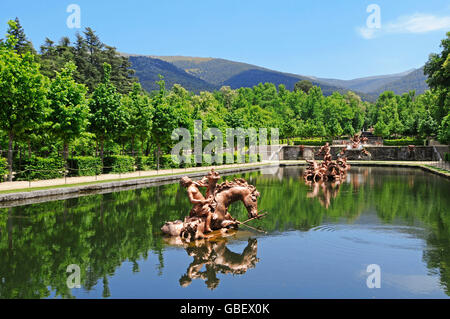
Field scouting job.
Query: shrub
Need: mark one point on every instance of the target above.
(187, 161)
(252, 158)
(118, 164)
(3, 168)
(145, 163)
(229, 156)
(447, 157)
(38, 168)
(167, 162)
(403, 142)
(85, 166)
(312, 142)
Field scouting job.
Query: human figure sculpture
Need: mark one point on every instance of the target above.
(325, 149)
(201, 206)
(210, 182)
(212, 213)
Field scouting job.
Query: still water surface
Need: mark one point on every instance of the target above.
(319, 243)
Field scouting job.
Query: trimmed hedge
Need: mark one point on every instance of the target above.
(166, 161)
(39, 168)
(145, 163)
(85, 166)
(312, 142)
(3, 168)
(118, 164)
(403, 142)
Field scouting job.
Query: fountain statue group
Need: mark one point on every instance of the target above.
(356, 144)
(327, 170)
(210, 212)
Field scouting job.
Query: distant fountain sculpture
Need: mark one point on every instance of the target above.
(327, 170)
(211, 213)
(356, 144)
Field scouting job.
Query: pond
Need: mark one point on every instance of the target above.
(320, 240)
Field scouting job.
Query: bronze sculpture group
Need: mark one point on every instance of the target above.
(210, 212)
(327, 170)
(356, 144)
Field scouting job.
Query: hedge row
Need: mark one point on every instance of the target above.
(3, 168)
(118, 164)
(189, 160)
(403, 142)
(37, 168)
(85, 166)
(145, 163)
(312, 142)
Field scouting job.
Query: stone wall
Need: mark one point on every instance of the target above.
(378, 153)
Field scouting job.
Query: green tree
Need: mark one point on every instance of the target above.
(381, 128)
(165, 120)
(23, 45)
(22, 91)
(437, 69)
(444, 130)
(69, 108)
(303, 85)
(105, 109)
(140, 110)
(427, 125)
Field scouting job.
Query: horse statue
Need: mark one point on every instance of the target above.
(211, 213)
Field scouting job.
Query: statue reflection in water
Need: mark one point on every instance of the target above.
(323, 191)
(215, 257)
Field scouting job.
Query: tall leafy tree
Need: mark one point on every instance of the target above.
(165, 119)
(303, 85)
(22, 91)
(138, 106)
(69, 110)
(105, 109)
(437, 69)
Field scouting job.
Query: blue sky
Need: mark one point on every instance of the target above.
(321, 38)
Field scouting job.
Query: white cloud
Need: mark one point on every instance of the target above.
(418, 23)
(367, 33)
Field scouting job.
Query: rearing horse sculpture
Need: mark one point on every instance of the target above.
(229, 192)
(213, 209)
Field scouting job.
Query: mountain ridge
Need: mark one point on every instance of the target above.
(208, 74)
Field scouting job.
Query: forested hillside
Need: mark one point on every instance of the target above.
(412, 81)
(367, 84)
(148, 69)
(219, 72)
